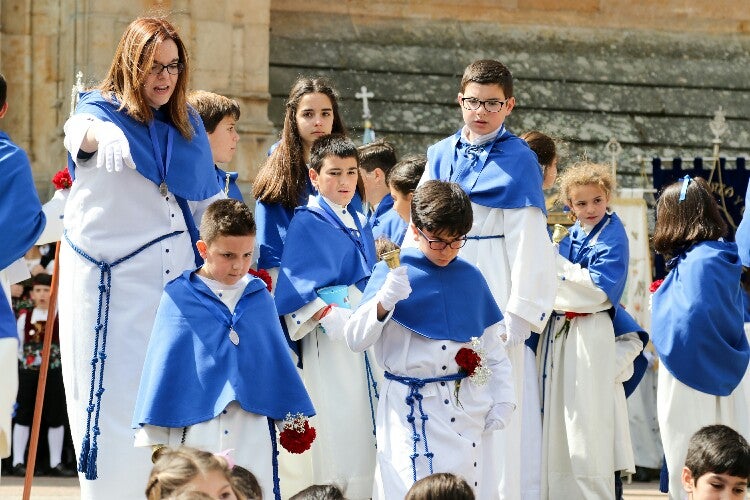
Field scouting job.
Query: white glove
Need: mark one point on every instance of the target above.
(333, 322)
(114, 150)
(395, 288)
(498, 416)
(517, 330)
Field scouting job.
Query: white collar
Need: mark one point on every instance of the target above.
(482, 139)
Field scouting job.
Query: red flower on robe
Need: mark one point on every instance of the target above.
(468, 360)
(655, 285)
(263, 274)
(297, 436)
(62, 179)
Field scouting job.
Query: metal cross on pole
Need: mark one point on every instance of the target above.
(614, 149)
(368, 134)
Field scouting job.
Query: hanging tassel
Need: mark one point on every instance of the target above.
(83, 459)
(91, 465)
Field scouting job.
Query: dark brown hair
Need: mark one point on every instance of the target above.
(405, 176)
(377, 154)
(440, 486)
(443, 208)
(718, 449)
(543, 145)
(132, 64)
(213, 108)
(283, 177)
(682, 224)
(488, 72)
(227, 217)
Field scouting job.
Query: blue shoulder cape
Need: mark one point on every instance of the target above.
(234, 191)
(189, 171)
(446, 303)
(391, 226)
(7, 318)
(21, 216)
(385, 204)
(193, 371)
(742, 235)
(607, 259)
(624, 323)
(503, 173)
(696, 319)
(319, 253)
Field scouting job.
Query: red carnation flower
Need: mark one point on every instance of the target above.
(468, 360)
(655, 285)
(570, 315)
(62, 179)
(263, 274)
(296, 441)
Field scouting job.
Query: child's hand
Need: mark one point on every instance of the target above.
(395, 288)
(333, 322)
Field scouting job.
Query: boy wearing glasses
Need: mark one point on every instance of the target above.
(435, 330)
(509, 244)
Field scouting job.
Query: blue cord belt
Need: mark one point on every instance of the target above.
(89, 447)
(414, 395)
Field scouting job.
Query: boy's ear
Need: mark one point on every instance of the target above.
(414, 231)
(458, 99)
(202, 248)
(510, 104)
(4, 109)
(313, 177)
(687, 480)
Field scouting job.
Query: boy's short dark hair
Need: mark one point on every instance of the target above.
(542, 144)
(3, 90)
(718, 449)
(377, 154)
(227, 217)
(213, 108)
(443, 208)
(320, 492)
(331, 145)
(440, 486)
(41, 279)
(405, 175)
(487, 72)
(246, 483)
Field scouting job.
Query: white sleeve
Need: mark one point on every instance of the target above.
(149, 435)
(274, 273)
(363, 328)
(8, 390)
(21, 327)
(627, 347)
(200, 206)
(75, 132)
(532, 266)
(576, 290)
(53, 212)
(301, 322)
(501, 380)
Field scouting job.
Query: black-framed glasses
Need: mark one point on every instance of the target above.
(441, 245)
(491, 105)
(172, 68)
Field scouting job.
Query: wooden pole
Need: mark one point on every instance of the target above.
(49, 331)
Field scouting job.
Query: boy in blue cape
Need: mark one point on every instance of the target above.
(220, 115)
(422, 318)
(218, 374)
(376, 160)
(329, 247)
(22, 220)
(509, 244)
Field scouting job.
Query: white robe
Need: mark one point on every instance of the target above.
(520, 271)
(344, 450)
(454, 432)
(109, 215)
(586, 436)
(682, 411)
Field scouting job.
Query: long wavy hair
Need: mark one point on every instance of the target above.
(282, 179)
(131, 65)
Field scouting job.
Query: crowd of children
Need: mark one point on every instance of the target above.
(484, 361)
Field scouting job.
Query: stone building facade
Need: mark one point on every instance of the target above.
(650, 74)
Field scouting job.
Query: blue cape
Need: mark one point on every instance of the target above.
(7, 318)
(234, 191)
(504, 174)
(742, 235)
(190, 172)
(318, 253)
(389, 224)
(385, 204)
(21, 216)
(624, 323)
(696, 319)
(273, 221)
(606, 260)
(193, 371)
(446, 303)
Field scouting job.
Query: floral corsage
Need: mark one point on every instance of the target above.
(296, 436)
(471, 361)
(263, 274)
(653, 288)
(569, 315)
(62, 179)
